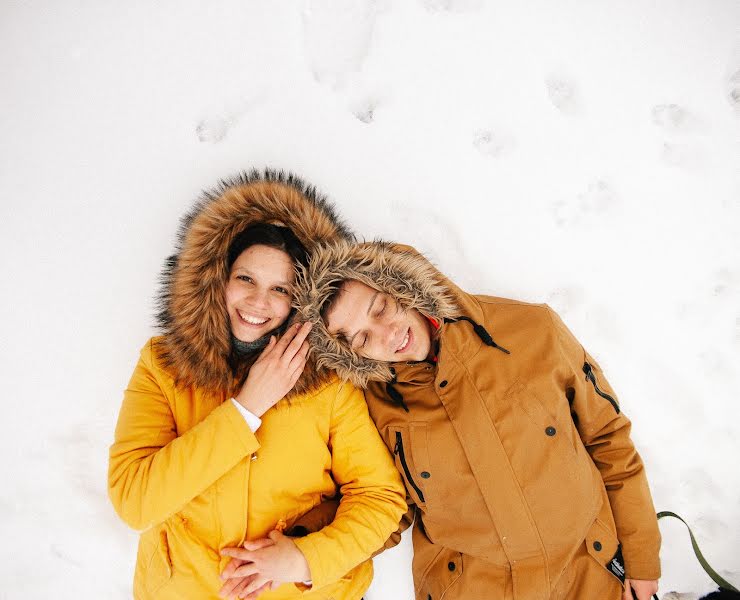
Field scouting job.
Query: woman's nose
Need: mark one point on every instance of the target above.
(259, 298)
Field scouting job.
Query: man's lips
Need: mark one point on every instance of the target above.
(405, 342)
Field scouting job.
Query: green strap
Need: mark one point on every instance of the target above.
(725, 585)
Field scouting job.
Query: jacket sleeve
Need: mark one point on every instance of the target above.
(153, 472)
(372, 501)
(407, 520)
(605, 432)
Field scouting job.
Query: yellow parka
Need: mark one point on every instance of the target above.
(186, 469)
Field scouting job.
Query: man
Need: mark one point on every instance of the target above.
(514, 451)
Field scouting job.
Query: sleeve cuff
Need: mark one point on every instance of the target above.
(310, 552)
(253, 421)
(647, 570)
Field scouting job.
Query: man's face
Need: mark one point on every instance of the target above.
(375, 326)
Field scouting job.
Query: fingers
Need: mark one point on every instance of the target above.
(268, 349)
(246, 570)
(287, 338)
(299, 360)
(252, 545)
(239, 553)
(232, 586)
(230, 568)
(275, 536)
(268, 586)
(627, 595)
(297, 342)
(257, 583)
(241, 586)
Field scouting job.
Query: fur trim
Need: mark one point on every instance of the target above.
(397, 270)
(195, 346)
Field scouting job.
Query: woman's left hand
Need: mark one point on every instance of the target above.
(268, 565)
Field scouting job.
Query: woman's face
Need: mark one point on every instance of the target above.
(258, 293)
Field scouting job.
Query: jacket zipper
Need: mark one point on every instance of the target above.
(398, 449)
(588, 370)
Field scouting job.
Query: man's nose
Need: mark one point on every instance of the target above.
(389, 334)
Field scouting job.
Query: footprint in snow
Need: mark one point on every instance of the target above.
(597, 199)
(337, 36)
(732, 90)
(563, 94)
(496, 144)
(670, 117)
(451, 5)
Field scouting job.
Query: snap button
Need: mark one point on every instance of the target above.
(425, 474)
(551, 431)
(451, 566)
(443, 383)
(597, 546)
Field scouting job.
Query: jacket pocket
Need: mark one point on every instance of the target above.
(439, 575)
(409, 452)
(590, 371)
(603, 546)
(158, 570)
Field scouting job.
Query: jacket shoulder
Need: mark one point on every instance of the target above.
(151, 356)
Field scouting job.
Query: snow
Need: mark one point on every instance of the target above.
(583, 154)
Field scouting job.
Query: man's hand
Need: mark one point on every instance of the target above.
(276, 371)
(272, 564)
(643, 590)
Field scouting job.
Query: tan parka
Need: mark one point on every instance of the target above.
(512, 445)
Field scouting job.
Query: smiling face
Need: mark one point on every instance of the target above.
(258, 292)
(375, 326)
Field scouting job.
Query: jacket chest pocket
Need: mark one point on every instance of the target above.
(552, 426)
(410, 452)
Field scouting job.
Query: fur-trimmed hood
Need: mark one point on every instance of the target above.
(196, 342)
(395, 269)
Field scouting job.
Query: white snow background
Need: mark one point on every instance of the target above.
(581, 153)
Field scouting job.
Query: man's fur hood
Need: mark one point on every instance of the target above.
(395, 269)
(196, 343)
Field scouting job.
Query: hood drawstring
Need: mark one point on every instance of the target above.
(394, 394)
(482, 333)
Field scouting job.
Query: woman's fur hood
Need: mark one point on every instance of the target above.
(196, 342)
(395, 269)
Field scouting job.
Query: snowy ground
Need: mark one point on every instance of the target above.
(583, 153)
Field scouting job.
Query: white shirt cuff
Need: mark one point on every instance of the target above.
(253, 421)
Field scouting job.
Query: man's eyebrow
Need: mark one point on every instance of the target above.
(372, 301)
(342, 335)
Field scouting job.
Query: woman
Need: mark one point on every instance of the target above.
(224, 437)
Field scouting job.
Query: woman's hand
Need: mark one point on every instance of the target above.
(235, 586)
(276, 371)
(274, 564)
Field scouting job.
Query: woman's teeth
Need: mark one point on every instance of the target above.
(252, 320)
(405, 342)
